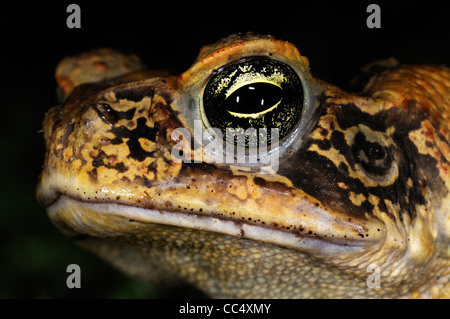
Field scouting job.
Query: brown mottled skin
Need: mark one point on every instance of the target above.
(361, 191)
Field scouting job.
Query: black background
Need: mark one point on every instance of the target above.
(34, 37)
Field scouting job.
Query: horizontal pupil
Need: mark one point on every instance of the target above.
(253, 98)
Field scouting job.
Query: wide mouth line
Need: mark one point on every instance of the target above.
(194, 220)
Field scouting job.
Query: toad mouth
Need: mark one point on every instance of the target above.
(96, 219)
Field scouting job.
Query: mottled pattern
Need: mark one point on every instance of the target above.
(363, 181)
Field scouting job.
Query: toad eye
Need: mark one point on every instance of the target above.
(257, 93)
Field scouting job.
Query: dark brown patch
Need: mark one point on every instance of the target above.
(141, 131)
(93, 175)
(135, 93)
(64, 140)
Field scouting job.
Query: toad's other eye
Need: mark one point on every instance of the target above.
(254, 93)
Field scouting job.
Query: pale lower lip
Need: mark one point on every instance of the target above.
(92, 219)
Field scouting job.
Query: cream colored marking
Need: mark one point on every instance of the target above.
(238, 189)
(357, 199)
(245, 171)
(342, 185)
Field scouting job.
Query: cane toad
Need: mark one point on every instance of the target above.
(247, 177)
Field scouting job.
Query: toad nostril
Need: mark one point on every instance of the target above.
(111, 116)
(106, 113)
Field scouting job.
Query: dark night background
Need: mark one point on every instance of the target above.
(34, 37)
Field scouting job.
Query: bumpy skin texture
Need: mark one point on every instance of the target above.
(362, 191)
